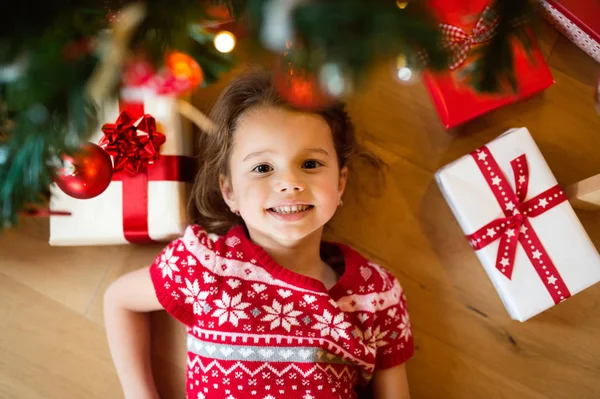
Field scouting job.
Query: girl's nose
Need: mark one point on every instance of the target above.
(289, 183)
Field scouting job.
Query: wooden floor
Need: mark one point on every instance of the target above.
(52, 343)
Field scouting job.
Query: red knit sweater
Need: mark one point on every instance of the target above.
(257, 330)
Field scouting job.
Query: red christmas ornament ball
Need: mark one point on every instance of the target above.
(300, 87)
(86, 174)
(183, 67)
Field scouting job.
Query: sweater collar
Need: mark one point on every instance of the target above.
(352, 261)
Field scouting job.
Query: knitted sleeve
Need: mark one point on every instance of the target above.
(392, 326)
(178, 282)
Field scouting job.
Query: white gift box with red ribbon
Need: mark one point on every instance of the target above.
(107, 219)
(520, 224)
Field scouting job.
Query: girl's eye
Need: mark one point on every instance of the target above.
(311, 164)
(264, 168)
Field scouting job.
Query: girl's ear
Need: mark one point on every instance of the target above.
(227, 192)
(342, 182)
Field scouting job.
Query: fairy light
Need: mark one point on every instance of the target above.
(224, 41)
(403, 71)
(404, 74)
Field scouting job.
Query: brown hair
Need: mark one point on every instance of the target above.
(254, 88)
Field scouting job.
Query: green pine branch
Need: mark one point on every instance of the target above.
(360, 32)
(493, 70)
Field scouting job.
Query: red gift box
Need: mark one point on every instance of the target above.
(579, 20)
(468, 24)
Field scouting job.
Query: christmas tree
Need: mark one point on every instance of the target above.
(60, 60)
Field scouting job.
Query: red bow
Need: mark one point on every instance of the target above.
(515, 227)
(459, 42)
(133, 144)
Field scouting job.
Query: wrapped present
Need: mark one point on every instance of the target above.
(146, 201)
(466, 25)
(578, 20)
(520, 224)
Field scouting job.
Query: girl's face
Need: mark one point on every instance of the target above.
(285, 180)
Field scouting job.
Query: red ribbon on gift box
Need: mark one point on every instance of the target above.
(134, 144)
(515, 227)
(460, 42)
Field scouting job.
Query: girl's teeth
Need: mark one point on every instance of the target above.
(291, 209)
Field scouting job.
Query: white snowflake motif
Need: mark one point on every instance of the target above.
(284, 316)
(329, 325)
(405, 327)
(372, 339)
(168, 263)
(230, 309)
(194, 296)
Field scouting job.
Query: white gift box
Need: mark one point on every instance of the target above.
(564, 239)
(99, 220)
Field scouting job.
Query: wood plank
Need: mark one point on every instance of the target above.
(49, 351)
(573, 61)
(547, 36)
(439, 371)
(68, 275)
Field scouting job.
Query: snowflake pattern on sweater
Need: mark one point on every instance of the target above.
(258, 330)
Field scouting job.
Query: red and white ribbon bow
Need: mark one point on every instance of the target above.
(515, 227)
(459, 42)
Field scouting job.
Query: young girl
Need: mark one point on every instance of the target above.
(271, 310)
